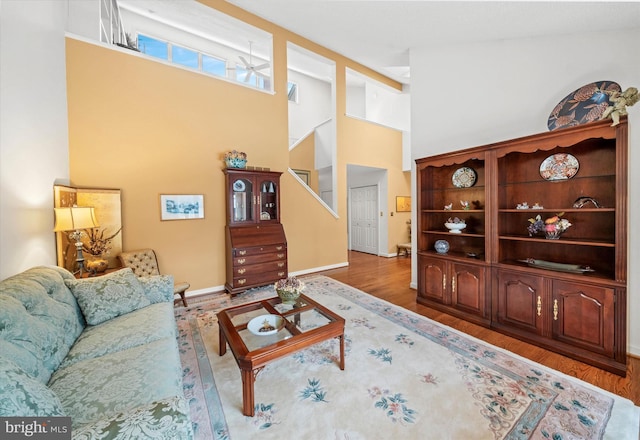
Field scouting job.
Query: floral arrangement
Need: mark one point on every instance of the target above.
(551, 227)
(98, 244)
(289, 285)
(455, 220)
(235, 154)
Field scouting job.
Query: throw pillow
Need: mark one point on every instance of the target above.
(158, 288)
(22, 395)
(103, 298)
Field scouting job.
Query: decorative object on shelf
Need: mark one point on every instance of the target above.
(448, 207)
(553, 227)
(289, 289)
(465, 205)
(559, 166)
(587, 104)
(235, 159)
(464, 177)
(560, 267)
(265, 325)
(75, 219)
(455, 225)
(581, 201)
(523, 205)
(537, 206)
(618, 103)
(239, 186)
(265, 216)
(181, 206)
(441, 246)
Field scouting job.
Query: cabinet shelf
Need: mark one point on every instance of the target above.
(449, 234)
(455, 211)
(565, 241)
(557, 210)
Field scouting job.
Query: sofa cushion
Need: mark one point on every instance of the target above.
(103, 298)
(158, 288)
(119, 382)
(22, 395)
(136, 328)
(39, 320)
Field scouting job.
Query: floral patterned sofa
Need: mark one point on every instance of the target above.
(102, 351)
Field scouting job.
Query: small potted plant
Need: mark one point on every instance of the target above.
(289, 289)
(235, 159)
(97, 247)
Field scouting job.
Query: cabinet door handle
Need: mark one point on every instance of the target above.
(453, 283)
(444, 282)
(242, 252)
(539, 305)
(241, 271)
(555, 309)
(242, 260)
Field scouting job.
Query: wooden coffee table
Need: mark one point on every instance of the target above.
(306, 323)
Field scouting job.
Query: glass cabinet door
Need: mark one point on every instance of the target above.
(242, 201)
(268, 200)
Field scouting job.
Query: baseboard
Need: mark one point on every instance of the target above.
(319, 269)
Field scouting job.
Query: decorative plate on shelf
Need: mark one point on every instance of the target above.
(560, 166)
(587, 104)
(464, 177)
(238, 185)
(264, 215)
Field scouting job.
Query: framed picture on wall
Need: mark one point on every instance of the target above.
(303, 175)
(181, 206)
(403, 204)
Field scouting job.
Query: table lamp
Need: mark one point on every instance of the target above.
(75, 218)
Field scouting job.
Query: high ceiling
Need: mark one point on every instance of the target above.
(380, 34)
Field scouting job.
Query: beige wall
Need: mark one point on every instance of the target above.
(149, 129)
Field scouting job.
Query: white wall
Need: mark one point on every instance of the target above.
(496, 91)
(313, 106)
(33, 129)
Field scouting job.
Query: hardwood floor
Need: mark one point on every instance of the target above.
(389, 278)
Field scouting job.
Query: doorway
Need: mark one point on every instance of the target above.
(363, 217)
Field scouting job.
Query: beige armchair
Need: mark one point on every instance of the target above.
(144, 263)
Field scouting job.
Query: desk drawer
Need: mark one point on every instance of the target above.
(271, 266)
(260, 258)
(257, 250)
(259, 279)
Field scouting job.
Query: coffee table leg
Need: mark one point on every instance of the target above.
(222, 349)
(341, 352)
(248, 405)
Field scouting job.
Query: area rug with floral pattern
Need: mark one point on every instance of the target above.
(406, 376)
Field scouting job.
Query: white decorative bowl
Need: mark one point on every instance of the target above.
(455, 228)
(259, 325)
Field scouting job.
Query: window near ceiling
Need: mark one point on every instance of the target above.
(214, 66)
(151, 46)
(185, 57)
(292, 91)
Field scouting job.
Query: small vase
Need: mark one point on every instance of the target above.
(552, 235)
(96, 264)
(287, 296)
(236, 163)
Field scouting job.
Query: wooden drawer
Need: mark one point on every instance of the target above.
(260, 258)
(258, 279)
(256, 250)
(271, 266)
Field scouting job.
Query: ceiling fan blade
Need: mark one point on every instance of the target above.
(248, 77)
(261, 66)
(261, 75)
(246, 63)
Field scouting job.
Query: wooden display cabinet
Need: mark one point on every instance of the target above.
(578, 311)
(256, 245)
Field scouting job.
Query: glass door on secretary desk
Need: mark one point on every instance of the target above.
(242, 200)
(253, 197)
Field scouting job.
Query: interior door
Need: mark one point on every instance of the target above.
(364, 219)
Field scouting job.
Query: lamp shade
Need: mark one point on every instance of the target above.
(74, 218)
